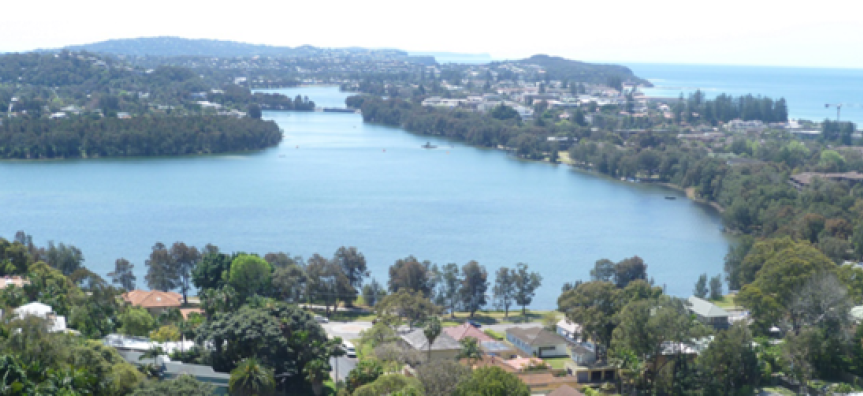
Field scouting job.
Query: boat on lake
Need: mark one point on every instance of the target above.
(428, 145)
(670, 197)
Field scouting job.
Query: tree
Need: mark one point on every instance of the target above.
(504, 289)
(405, 304)
(628, 270)
(166, 333)
(603, 271)
(649, 328)
(441, 377)
(473, 287)
(701, 287)
(391, 384)
(729, 363)
(255, 111)
(250, 378)
(250, 275)
(353, 265)
(184, 259)
(373, 292)
(290, 282)
(470, 350)
(526, 284)
(593, 305)
(282, 337)
(716, 287)
(67, 259)
(185, 385)
(411, 274)
(123, 274)
(377, 335)
(779, 280)
(136, 321)
(432, 330)
(213, 271)
(161, 272)
(328, 283)
(365, 372)
(492, 381)
(449, 288)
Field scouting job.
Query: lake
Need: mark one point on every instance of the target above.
(336, 181)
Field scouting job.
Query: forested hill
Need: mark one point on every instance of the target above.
(178, 46)
(83, 105)
(556, 68)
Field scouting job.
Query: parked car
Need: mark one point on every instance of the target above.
(349, 348)
(321, 319)
(474, 323)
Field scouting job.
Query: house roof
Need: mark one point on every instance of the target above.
(572, 328)
(536, 336)
(467, 330)
(153, 298)
(34, 309)
(705, 308)
(417, 340)
(565, 390)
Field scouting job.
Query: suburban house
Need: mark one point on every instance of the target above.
(708, 313)
(537, 342)
(155, 301)
(444, 346)
(17, 281)
(459, 333)
(570, 331)
(56, 324)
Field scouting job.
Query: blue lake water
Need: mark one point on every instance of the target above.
(336, 181)
(806, 90)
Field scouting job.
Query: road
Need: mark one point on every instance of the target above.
(342, 365)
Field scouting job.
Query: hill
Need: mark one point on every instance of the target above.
(558, 68)
(178, 46)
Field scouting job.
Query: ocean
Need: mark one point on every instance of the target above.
(806, 90)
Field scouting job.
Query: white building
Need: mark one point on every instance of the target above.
(55, 323)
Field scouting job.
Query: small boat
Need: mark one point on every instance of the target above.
(428, 145)
(670, 197)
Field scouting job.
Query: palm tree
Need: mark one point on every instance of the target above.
(432, 330)
(470, 350)
(251, 378)
(316, 372)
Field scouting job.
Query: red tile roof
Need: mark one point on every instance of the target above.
(153, 298)
(466, 330)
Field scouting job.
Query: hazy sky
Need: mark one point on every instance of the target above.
(743, 32)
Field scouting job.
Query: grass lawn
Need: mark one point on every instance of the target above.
(779, 391)
(727, 302)
(557, 363)
(342, 316)
(563, 157)
(496, 317)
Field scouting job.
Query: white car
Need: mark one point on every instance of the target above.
(349, 348)
(321, 319)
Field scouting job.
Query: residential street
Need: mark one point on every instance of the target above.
(342, 366)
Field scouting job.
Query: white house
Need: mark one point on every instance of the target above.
(537, 342)
(56, 323)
